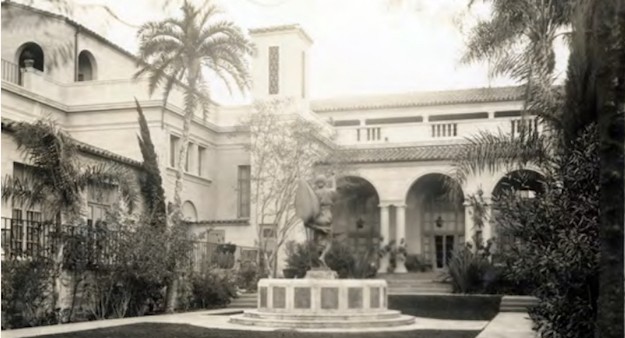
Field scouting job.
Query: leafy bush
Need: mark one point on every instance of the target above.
(470, 272)
(555, 245)
(26, 290)
(340, 258)
(247, 276)
(222, 260)
(415, 263)
(212, 289)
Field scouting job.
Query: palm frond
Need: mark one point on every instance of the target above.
(26, 192)
(103, 176)
(490, 152)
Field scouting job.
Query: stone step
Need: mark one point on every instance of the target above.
(386, 314)
(513, 309)
(317, 324)
(411, 276)
(516, 303)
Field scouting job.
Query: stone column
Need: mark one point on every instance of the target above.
(400, 235)
(468, 222)
(384, 233)
(487, 230)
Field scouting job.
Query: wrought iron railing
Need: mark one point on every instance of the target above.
(10, 72)
(96, 246)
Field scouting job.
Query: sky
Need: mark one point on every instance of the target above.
(360, 46)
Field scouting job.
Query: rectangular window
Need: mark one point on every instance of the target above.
(201, 157)
(303, 74)
(274, 70)
(174, 146)
(269, 236)
(244, 187)
(187, 159)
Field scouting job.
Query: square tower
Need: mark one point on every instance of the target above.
(280, 66)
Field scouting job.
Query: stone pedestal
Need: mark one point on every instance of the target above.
(384, 263)
(315, 302)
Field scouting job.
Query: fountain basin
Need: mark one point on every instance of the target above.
(322, 303)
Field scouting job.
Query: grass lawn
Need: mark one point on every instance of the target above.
(163, 330)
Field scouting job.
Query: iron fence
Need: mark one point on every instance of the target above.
(95, 245)
(10, 72)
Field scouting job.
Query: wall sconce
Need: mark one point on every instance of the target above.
(360, 223)
(439, 222)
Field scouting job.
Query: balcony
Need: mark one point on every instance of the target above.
(87, 95)
(429, 132)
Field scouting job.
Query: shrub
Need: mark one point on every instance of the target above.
(470, 272)
(26, 290)
(222, 260)
(247, 276)
(340, 258)
(555, 247)
(212, 289)
(415, 263)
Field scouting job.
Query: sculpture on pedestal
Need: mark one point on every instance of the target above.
(314, 207)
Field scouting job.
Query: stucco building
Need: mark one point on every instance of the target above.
(398, 146)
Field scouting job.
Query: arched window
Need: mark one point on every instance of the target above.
(188, 211)
(86, 66)
(30, 54)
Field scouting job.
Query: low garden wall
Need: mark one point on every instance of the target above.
(452, 306)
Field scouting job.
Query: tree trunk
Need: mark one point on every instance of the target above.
(176, 216)
(609, 30)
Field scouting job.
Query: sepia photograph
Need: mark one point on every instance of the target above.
(312, 168)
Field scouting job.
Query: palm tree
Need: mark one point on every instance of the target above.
(57, 180)
(182, 51)
(593, 94)
(186, 49)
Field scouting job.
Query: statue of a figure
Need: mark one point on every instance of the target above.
(314, 207)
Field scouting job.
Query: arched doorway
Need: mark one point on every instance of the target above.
(188, 211)
(356, 215)
(86, 66)
(30, 51)
(434, 219)
(523, 183)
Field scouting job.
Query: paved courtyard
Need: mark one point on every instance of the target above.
(508, 325)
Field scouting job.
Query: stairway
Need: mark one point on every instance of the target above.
(516, 303)
(244, 301)
(416, 282)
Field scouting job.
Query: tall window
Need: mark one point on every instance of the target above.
(187, 159)
(269, 236)
(244, 187)
(274, 70)
(99, 200)
(174, 145)
(303, 74)
(201, 156)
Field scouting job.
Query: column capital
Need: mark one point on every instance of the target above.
(402, 206)
(384, 204)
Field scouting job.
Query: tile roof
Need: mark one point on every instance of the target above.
(400, 154)
(242, 221)
(7, 124)
(73, 23)
(281, 28)
(416, 99)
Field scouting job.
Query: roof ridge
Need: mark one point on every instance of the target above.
(73, 23)
(7, 124)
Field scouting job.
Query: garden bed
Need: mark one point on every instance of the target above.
(453, 306)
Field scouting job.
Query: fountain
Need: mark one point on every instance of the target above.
(320, 299)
